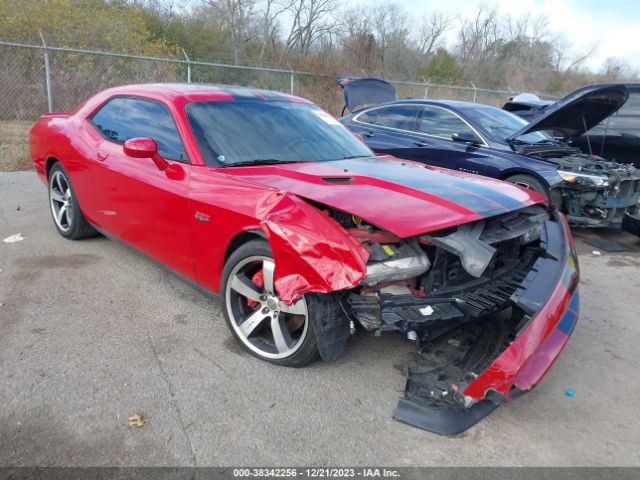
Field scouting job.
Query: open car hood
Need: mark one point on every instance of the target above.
(360, 92)
(525, 101)
(579, 111)
(401, 197)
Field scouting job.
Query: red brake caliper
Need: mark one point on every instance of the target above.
(258, 281)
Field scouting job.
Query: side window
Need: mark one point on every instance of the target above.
(402, 117)
(123, 118)
(441, 123)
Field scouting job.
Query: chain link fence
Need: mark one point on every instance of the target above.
(38, 78)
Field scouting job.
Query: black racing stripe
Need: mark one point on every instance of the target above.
(481, 199)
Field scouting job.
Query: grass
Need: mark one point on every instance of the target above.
(14, 145)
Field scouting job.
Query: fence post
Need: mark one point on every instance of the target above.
(188, 66)
(475, 91)
(292, 83)
(47, 74)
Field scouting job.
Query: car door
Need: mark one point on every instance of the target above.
(437, 124)
(138, 203)
(390, 129)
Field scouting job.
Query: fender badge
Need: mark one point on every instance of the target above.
(202, 217)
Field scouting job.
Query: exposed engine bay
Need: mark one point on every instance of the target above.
(595, 192)
(460, 295)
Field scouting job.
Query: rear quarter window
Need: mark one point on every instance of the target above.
(401, 117)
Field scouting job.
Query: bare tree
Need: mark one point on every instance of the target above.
(431, 28)
(235, 16)
(390, 26)
(478, 36)
(614, 69)
(311, 20)
(357, 41)
(270, 14)
(564, 60)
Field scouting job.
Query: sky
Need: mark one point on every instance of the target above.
(612, 25)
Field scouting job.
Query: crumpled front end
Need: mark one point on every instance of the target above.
(489, 306)
(595, 192)
(606, 203)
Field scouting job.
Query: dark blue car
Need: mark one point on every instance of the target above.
(490, 141)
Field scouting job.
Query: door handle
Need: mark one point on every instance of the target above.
(102, 156)
(368, 134)
(420, 143)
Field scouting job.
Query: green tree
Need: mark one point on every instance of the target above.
(443, 68)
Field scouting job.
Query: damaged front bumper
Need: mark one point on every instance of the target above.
(602, 207)
(631, 223)
(462, 376)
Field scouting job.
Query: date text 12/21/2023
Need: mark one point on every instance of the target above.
(316, 472)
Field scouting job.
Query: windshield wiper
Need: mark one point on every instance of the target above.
(261, 161)
(348, 157)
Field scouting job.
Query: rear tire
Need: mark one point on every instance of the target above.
(262, 324)
(65, 209)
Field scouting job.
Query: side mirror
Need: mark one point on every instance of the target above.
(466, 137)
(144, 148)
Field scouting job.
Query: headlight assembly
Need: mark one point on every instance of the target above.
(584, 178)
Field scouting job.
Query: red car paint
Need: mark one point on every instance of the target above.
(187, 216)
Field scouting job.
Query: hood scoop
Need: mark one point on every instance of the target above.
(338, 179)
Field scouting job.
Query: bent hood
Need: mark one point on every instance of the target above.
(402, 197)
(360, 92)
(579, 111)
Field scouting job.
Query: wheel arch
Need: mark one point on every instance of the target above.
(49, 163)
(240, 239)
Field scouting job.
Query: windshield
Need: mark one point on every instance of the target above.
(246, 131)
(501, 124)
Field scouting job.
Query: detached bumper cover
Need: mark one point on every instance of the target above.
(631, 224)
(550, 296)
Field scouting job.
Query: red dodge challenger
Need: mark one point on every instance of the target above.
(269, 204)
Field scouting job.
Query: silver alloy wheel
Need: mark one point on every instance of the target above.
(61, 200)
(261, 320)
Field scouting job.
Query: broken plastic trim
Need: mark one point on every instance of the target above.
(465, 242)
(446, 420)
(467, 372)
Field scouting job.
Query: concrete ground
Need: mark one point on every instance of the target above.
(91, 333)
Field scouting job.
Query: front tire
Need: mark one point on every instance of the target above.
(262, 324)
(530, 182)
(65, 209)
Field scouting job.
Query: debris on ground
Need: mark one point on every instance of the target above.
(137, 420)
(18, 208)
(569, 392)
(14, 238)
(596, 253)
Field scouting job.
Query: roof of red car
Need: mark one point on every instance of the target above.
(200, 92)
